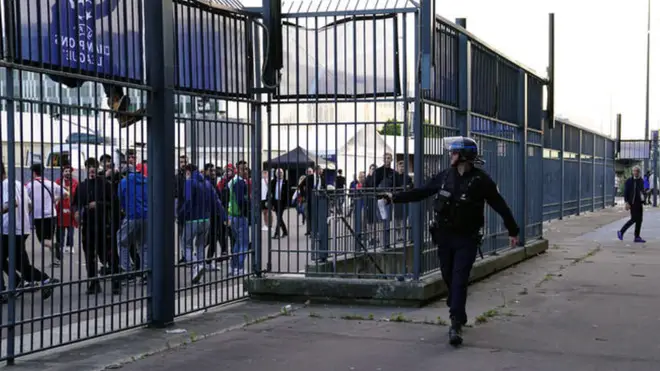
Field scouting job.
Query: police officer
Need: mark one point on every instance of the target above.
(460, 192)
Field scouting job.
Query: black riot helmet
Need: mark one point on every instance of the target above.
(467, 149)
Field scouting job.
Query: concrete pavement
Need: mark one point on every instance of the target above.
(590, 303)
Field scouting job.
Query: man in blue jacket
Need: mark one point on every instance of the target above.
(200, 201)
(633, 195)
(133, 198)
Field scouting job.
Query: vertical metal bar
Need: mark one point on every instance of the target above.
(11, 202)
(593, 174)
(464, 81)
(618, 134)
(159, 33)
(427, 29)
(655, 168)
(550, 99)
(320, 232)
(562, 163)
(11, 162)
(522, 170)
(648, 72)
(256, 155)
(418, 166)
(605, 172)
(579, 192)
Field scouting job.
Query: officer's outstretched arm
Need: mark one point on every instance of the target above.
(417, 194)
(496, 201)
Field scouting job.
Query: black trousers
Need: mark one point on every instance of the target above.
(636, 217)
(219, 234)
(457, 254)
(98, 242)
(23, 266)
(279, 211)
(309, 217)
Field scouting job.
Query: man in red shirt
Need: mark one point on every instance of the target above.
(229, 174)
(66, 223)
(142, 168)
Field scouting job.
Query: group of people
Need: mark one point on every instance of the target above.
(110, 208)
(213, 209)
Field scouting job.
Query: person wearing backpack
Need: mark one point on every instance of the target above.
(238, 211)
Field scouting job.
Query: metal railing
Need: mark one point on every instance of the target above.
(193, 173)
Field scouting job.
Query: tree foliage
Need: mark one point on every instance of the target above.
(395, 128)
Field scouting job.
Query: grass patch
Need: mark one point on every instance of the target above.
(399, 317)
(486, 316)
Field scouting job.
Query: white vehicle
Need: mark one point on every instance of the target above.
(76, 155)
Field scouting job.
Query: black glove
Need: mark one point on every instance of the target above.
(385, 196)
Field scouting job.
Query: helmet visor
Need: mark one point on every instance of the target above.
(457, 144)
(453, 144)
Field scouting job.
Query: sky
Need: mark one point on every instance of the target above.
(600, 53)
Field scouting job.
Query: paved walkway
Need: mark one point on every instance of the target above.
(590, 303)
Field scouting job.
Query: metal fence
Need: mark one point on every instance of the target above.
(169, 97)
(578, 167)
(351, 102)
(116, 246)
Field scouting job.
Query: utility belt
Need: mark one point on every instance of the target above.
(436, 229)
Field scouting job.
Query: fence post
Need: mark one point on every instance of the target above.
(10, 250)
(256, 118)
(522, 170)
(159, 41)
(418, 162)
(427, 41)
(579, 189)
(593, 174)
(605, 172)
(654, 136)
(561, 166)
(320, 234)
(464, 81)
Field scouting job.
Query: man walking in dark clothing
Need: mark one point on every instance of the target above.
(279, 193)
(114, 177)
(215, 234)
(314, 181)
(633, 195)
(93, 205)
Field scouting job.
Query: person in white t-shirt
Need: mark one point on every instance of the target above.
(28, 273)
(45, 194)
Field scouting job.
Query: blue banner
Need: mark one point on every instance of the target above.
(213, 50)
(101, 37)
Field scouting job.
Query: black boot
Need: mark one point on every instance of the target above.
(455, 333)
(58, 251)
(116, 286)
(94, 288)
